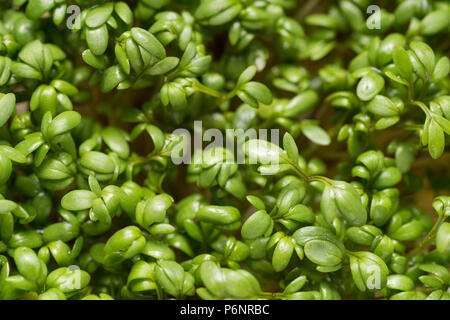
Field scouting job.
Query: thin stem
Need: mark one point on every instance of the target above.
(271, 295)
(159, 294)
(422, 106)
(321, 179)
(412, 127)
(307, 178)
(306, 9)
(424, 90)
(409, 94)
(136, 162)
(429, 237)
(140, 160)
(209, 91)
(297, 169)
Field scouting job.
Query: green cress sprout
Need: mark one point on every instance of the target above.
(336, 184)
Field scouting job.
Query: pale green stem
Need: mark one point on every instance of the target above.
(429, 237)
